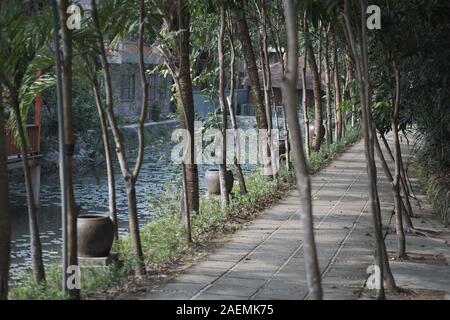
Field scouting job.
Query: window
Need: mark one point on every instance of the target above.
(127, 87)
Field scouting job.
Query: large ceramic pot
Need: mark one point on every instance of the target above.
(95, 235)
(213, 183)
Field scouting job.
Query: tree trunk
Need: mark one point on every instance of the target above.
(134, 227)
(255, 92)
(185, 89)
(35, 241)
(360, 55)
(5, 213)
(267, 82)
(328, 91)
(305, 107)
(301, 166)
(223, 161)
(403, 175)
(66, 68)
(252, 69)
(401, 245)
(319, 130)
(276, 39)
(388, 174)
(129, 177)
(337, 88)
(108, 158)
(237, 164)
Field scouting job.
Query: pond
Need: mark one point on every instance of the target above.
(91, 192)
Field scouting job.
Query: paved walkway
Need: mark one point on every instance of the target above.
(265, 260)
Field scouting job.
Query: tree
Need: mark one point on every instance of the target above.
(222, 101)
(319, 130)
(20, 57)
(355, 30)
(5, 214)
(130, 175)
(328, 87)
(337, 88)
(174, 45)
(231, 110)
(301, 167)
(255, 92)
(69, 143)
(89, 69)
(267, 78)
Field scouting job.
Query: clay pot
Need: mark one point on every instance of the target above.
(95, 235)
(213, 183)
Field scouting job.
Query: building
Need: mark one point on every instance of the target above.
(126, 82)
(276, 71)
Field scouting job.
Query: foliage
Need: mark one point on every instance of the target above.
(23, 35)
(435, 183)
(85, 116)
(327, 152)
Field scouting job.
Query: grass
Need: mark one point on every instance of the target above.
(328, 152)
(164, 239)
(435, 182)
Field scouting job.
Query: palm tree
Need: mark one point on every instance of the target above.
(22, 53)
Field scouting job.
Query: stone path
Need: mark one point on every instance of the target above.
(265, 260)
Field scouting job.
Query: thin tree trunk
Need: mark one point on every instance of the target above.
(388, 174)
(35, 241)
(185, 207)
(267, 81)
(108, 158)
(305, 107)
(66, 68)
(240, 175)
(319, 131)
(128, 176)
(223, 161)
(276, 39)
(337, 88)
(301, 166)
(401, 245)
(403, 175)
(328, 90)
(5, 213)
(360, 56)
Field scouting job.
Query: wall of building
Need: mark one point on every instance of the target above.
(126, 83)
